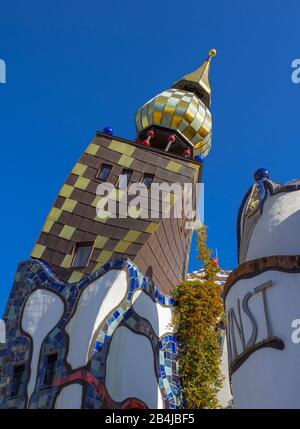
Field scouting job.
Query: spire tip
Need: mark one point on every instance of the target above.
(212, 53)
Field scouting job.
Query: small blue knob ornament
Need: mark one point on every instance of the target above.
(261, 174)
(108, 130)
(199, 158)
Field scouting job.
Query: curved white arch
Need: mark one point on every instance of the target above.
(130, 369)
(42, 311)
(96, 302)
(159, 316)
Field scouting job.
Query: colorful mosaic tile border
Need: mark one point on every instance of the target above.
(35, 274)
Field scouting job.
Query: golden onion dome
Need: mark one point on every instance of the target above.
(183, 110)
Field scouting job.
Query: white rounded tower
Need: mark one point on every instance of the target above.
(262, 298)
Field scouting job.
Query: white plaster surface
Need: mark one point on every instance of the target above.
(70, 397)
(160, 317)
(130, 369)
(42, 311)
(277, 230)
(224, 395)
(95, 304)
(269, 378)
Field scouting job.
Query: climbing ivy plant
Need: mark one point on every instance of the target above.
(198, 312)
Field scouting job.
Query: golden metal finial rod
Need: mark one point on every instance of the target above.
(212, 53)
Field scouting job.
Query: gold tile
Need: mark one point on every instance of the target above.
(100, 241)
(189, 133)
(197, 122)
(145, 122)
(104, 256)
(75, 277)
(189, 116)
(138, 120)
(176, 121)
(195, 166)
(66, 191)
(69, 205)
(92, 149)
(187, 98)
(48, 225)
(203, 131)
(183, 125)
(66, 262)
(67, 232)
(151, 227)
(122, 246)
(54, 214)
(123, 148)
(174, 166)
(169, 92)
(79, 169)
(169, 110)
(157, 117)
(82, 183)
(98, 266)
(206, 126)
(38, 251)
(125, 161)
(132, 236)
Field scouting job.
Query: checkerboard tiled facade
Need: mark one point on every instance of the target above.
(162, 244)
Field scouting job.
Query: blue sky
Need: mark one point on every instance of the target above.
(75, 67)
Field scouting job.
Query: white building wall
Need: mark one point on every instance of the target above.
(43, 309)
(130, 369)
(269, 378)
(277, 230)
(224, 395)
(70, 397)
(95, 304)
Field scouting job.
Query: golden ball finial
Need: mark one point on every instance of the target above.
(212, 53)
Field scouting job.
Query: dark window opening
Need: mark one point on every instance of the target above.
(18, 380)
(50, 368)
(148, 180)
(125, 178)
(82, 254)
(104, 172)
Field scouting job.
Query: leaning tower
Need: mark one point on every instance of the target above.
(88, 318)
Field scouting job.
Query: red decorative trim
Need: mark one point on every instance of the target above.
(100, 389)
(133, 403)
